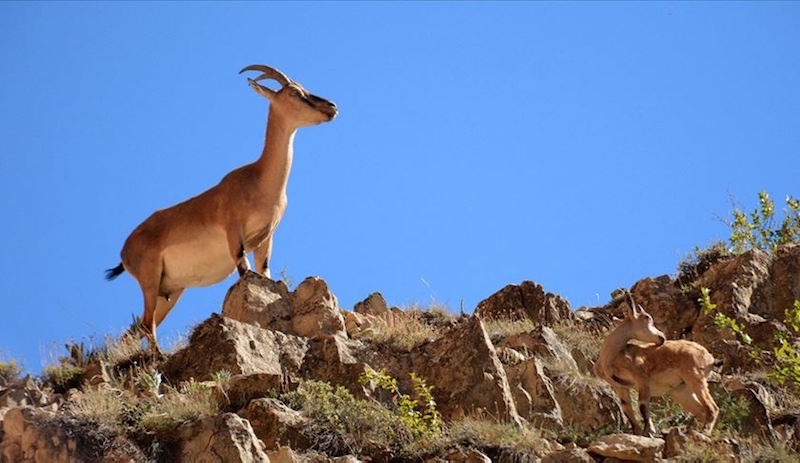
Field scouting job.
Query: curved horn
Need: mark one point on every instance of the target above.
(268, 73)
(632, 304)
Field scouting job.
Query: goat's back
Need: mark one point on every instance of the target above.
(678, 356)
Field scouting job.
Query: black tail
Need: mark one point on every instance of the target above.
(114, 272)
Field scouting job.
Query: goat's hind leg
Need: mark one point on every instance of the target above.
(693, 404)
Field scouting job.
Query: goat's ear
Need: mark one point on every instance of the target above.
(261, 90)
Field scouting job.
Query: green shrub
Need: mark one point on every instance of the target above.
(787, 359)
(342, 424)
(706, 306)
(734, 411)
(421, 420)
(759, 229)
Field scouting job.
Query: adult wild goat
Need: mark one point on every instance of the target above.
(678, 368)
(202, 240)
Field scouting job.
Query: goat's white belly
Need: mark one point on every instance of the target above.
(200, 261)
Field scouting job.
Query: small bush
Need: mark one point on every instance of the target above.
(487, 432)
(759, 228)
(163, 414)
(734, 411)
(9, 372)
(100, 405)
(419, 415)
(342, 424)
(787, 358)
(62, 377)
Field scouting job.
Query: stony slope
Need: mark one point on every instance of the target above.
(512, 382)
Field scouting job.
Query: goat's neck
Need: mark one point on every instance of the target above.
(276, 158)
(617, 340)
(613, 346)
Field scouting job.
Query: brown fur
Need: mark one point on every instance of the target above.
(204, 239)
(677, 368)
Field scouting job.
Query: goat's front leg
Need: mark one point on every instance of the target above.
(261, 255)
(238, 253)
(624, 395)
(644, 408)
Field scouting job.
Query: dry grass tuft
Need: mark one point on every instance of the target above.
(9, 372)
(498, 329)
(409, 329)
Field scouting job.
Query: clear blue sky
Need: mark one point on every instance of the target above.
(579, 145)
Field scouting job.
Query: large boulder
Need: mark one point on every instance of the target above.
(222, 343)
(628, 447)
(33, 434)
(332, 359)
(784, 287)
(316, 310)
(221, 438)
(311, 310)
(258, 300)
(533, 394)
(673, 311)
(586, 404)
(466, 374)
(528, 300)
(276, 424)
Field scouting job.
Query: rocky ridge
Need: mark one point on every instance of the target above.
(522, 361)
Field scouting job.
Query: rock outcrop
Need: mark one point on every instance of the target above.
(539, 382)
(527, 300)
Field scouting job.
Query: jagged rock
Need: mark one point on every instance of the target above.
(758, 422)
(573, 455)
(526, 300)
(787, 428)
(24, 392)
(586, 404)
(33, 434)
(330, 358)
(628, 447)
(276, 424)
(239, 390)
(677, 442)
(221, 438)
(258, 300)
(542, 342)
(735, 286)
(533, 394)
(509, 356)
(784, 287)
(222, 343)
(369, 313)
(282, 455)
(466, 373)
(374, 304)
(673, 312)
(316, 310)
(460, 455)
(311, 310)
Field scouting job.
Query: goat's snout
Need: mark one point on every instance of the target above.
(661, 340)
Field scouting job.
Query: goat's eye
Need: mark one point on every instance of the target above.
(296, 93)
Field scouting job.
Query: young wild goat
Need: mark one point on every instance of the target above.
(204, 239)
(678, 368)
